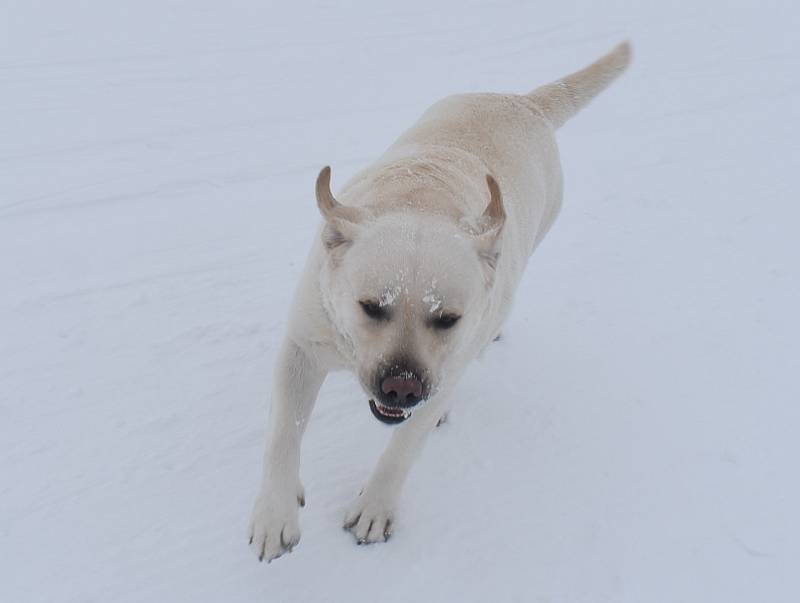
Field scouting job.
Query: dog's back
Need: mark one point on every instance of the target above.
(449, 150)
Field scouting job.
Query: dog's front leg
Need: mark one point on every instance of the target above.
(274, 527)
(370, 516)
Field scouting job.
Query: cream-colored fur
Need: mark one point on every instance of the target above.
(443, 223)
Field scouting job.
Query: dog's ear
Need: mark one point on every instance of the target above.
(490, 226)
(341, 221)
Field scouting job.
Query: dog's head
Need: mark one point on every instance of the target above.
(406, 292)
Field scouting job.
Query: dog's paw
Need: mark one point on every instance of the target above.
(274, 527)
(370, 518)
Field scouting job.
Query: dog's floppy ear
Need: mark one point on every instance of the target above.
(490, 225)
(341, 220)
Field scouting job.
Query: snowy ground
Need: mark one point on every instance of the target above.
(633, 438)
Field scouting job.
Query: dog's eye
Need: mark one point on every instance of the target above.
(445, 321)
(374, 310)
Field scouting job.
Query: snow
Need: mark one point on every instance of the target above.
(391, 293)
(434, 301)
(633, 437)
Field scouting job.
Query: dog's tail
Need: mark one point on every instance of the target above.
(563, 98)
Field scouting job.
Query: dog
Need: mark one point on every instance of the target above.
(411, 277)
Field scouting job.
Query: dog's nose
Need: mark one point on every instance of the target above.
(405, 389)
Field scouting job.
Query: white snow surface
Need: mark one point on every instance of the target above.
(634, 435)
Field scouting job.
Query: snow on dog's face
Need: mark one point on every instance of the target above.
(407, 292)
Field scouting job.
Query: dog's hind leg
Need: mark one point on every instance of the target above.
(371, 515)
(274, 528)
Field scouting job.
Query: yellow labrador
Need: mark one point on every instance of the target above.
(411, 277)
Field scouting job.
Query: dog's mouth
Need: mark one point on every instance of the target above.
(391, 415)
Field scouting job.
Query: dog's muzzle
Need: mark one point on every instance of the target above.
(399, 391)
